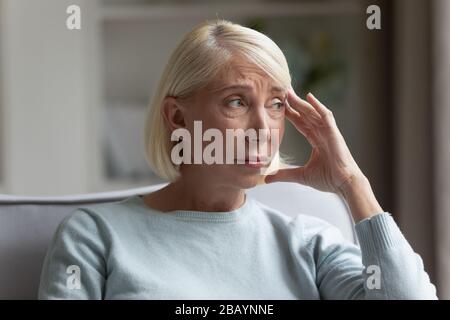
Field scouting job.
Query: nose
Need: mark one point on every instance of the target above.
(260, 120)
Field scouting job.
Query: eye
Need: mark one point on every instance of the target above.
(235, 103)
(279, 105)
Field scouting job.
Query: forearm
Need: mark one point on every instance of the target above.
(394, 270)
(383, 245)
(360, 198)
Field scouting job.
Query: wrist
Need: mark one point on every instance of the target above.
(353, 185)
(358, 194)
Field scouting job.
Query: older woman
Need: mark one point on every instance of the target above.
(201, 237)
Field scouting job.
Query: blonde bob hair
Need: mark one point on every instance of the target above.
(198, 58)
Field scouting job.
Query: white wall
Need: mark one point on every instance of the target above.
(45, 90)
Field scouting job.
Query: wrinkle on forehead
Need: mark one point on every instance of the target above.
(240, 72)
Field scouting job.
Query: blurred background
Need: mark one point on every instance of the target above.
(72, 102)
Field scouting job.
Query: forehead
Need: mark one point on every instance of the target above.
(240, 72)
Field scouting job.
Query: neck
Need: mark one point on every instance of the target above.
(197, 191)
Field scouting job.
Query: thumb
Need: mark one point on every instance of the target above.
(287, 175)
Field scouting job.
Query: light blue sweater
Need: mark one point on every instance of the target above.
(125, 250)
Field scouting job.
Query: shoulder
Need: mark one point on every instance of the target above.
(106, 213)
(108, 208)
(94, 219)
(303, 225)
(270, 213)
(309, 233)
(311, 228)
(79, 226)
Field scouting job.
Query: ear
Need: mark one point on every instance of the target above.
(173, 113)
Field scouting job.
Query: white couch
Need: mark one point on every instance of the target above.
(27, 225)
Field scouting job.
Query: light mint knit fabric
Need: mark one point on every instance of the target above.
(125, 250)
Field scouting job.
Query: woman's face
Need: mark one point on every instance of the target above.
(242, 97)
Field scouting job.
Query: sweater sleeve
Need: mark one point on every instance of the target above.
(383, 267)
(74, 266)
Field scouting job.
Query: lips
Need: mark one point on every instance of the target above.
(259, 161)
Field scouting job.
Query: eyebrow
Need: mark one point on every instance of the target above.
(248, 87)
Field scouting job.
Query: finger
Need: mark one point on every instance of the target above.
(298, 121)
(292, 113)
(287, 175)
(304, 128)
(305, 131)
(307, 121)
(303, 107)
(321, 109)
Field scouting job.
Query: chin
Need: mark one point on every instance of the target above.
(238, 176)
(249, 181)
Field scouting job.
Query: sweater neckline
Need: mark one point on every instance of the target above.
(213, 216)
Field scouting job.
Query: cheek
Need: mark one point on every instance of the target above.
(278, 125)
(218, 121)
(212, 118)
(200, 114)
(281, 129)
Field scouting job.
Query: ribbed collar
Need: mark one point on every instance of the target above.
(213, 216)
